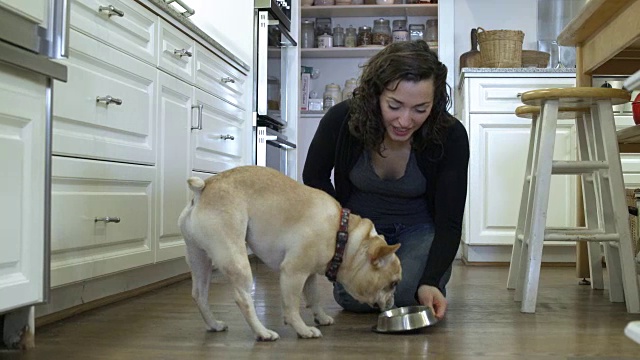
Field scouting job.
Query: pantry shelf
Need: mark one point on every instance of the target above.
(370, 10)
(343, 52)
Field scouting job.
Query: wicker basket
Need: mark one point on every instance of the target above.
(534, 58)
(500, 48)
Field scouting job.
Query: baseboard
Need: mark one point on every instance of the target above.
(72, 299)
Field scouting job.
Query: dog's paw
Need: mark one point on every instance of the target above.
(323, 319)
(267, 335)
(310, 333)
(218, 326)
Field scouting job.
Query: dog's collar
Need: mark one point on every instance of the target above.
(341, 244)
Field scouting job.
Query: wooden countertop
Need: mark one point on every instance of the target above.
(608, 35)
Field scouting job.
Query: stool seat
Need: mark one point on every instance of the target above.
(576, 97)
(528, 112)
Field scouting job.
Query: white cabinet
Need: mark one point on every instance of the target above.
(22, 186)
(499, 143)
(175, 52)
(35, 10)
(121, 130)
(174, 162)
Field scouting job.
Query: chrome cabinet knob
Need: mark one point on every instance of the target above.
(227, 80)
(111, 10)
(109, 100)
(108, 219)
(227, 137)
(182, 52)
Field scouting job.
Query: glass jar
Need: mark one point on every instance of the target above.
(351, 37)
(381, 34)
(332, 95)
(324, 2)
(416, 32)
(431, 33)
(357, 2)
(400, 32)
(364, 36)
(349, 86)
(308, 34)
(338, 36)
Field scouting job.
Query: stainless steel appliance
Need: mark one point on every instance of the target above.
(616, 82)
(272, 31)
(553, 16)
(272, 41)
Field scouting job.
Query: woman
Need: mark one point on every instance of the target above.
(400, 159)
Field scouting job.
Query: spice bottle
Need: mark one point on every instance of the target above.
(338, 36)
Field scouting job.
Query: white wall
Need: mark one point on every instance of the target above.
(229, 22)
(493, 15)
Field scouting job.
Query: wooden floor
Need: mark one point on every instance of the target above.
(572, 322)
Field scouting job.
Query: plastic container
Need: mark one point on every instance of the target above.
(332, 95)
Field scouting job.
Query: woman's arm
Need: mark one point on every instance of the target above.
(450, 198)
(320, 159)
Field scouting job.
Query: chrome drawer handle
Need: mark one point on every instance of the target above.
(108, 219)
(182, 52)
(111, 10)
(227, 137)
(228, 80)
(109, 100)
(200, 108)
(519, 95)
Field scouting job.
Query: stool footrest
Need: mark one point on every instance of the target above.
(576, 234)
(577, 167)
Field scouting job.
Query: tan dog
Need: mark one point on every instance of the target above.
(290, 227)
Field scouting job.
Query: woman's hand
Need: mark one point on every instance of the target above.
(432, 297)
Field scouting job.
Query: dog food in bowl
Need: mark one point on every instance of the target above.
(406, 318)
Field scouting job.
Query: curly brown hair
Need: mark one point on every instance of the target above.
(411, 61)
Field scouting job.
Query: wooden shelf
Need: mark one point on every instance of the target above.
(342, 52)
(369, 10)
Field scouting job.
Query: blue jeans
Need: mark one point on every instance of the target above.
(415, 244)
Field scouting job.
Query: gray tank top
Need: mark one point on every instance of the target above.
(389, 201)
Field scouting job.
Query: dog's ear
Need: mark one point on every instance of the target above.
(380, 254)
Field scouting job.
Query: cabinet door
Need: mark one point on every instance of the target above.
(84, 127)
(34, 10)
(134, 32)
(219, 145)
(499, 146)
(102, 218)
(174, 162)
(22, 212)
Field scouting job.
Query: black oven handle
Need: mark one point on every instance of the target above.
(279, 142)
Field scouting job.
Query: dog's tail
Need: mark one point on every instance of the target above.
(196, 185)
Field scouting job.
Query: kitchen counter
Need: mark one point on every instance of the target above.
(160, 4)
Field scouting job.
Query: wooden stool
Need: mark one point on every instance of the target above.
(604, 195)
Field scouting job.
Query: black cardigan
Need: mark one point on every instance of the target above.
(444, 166)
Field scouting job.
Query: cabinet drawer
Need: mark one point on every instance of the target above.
(217, 77)
(175, 52)
(133, 33)
(501, 95)
(86, 128)
(219, 145)
(83, 190)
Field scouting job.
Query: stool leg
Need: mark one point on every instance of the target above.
(542, 187)
(587, 152)
(627, 257)
(516, 253)
(616, 292)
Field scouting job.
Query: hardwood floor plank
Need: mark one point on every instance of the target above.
(483, 322)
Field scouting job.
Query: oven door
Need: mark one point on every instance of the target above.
(270, 67)
(272, 149)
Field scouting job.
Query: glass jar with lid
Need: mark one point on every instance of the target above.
(416, 32)
(400, 32)
(351, 37)
(308, 34)
(364, 36)
(381, 34)
(431, 33)
(349, 86)
(332, 95)
(338, 36)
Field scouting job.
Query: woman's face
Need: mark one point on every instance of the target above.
(406, 108)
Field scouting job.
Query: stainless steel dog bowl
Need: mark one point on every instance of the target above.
(406, 318)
